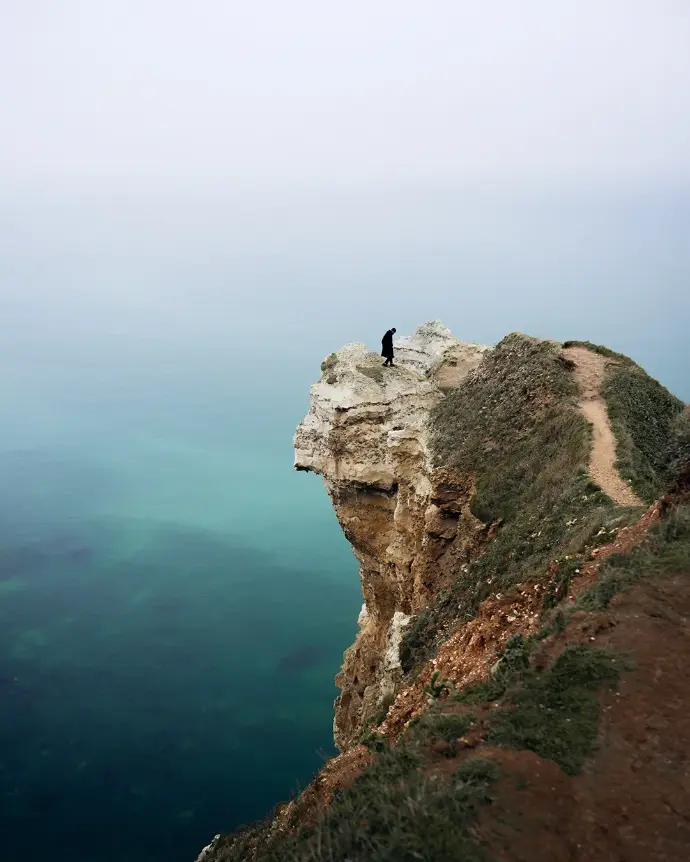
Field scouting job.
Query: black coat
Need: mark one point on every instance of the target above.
(387, 345)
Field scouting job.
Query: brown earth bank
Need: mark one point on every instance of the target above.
(632, 801)
(469, 653)
(466, 657)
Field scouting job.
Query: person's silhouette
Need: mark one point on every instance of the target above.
(387, 346)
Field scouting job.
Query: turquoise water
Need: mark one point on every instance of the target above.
(174, 601)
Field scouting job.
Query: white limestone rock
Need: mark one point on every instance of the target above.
(360, 412)
(366, 433)
(425, 348)
(395, 633)
(206, 852)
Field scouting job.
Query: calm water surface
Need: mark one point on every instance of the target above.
(174, 602)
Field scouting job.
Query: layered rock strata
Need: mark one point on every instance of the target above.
(409, 524)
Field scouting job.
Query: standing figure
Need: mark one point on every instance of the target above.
(387, 346)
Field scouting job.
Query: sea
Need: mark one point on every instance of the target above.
(174, 598)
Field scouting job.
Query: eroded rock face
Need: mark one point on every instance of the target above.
(409, 524)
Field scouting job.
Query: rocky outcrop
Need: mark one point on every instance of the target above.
(409, 524)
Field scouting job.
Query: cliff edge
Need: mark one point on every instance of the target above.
(367, 435)
(518, 685)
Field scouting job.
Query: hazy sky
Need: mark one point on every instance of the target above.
(594, 91)
(321, 171)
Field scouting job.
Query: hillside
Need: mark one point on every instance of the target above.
(518, 686)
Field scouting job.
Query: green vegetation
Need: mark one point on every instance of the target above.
(375, 372)
(555, 713)
(383, 708)
(666, 550)
(397, 810)
(437, 687)
(642, 415)
(515, 426)
(329, 362)
(435, 726)
(373, 740)
(560, 585)
(328, 368)
(679, 449)
(599, 348)
(512, 665)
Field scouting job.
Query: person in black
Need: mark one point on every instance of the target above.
(387, 346)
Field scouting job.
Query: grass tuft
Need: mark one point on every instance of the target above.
(601, 349)
(666, 550)
(396, 810)
(555, 713)
(679, 448)
(375, 372)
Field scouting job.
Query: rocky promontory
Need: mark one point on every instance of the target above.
(518, 684)
(366, 434)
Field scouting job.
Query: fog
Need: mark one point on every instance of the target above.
(282, 179)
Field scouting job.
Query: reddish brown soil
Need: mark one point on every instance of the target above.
(626, 539)
(632, 802)
(337, 774)
(469, 653)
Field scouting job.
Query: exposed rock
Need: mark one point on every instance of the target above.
(208, 850)
(398, 623)
(409, 524)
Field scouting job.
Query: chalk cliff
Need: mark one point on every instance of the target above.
(409, 524)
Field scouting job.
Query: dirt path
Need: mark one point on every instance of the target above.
(589, 373)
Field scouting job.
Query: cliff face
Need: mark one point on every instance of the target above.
(409, 523)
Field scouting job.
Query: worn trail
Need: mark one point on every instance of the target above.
(589, 373)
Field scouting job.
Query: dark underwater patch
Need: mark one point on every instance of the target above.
(301, 659)
(19, 561)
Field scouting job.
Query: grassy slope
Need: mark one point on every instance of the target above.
(679, 450)
(665, 551)
(642, 414)
(516, 427)
(407, 807)
(395, 811)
